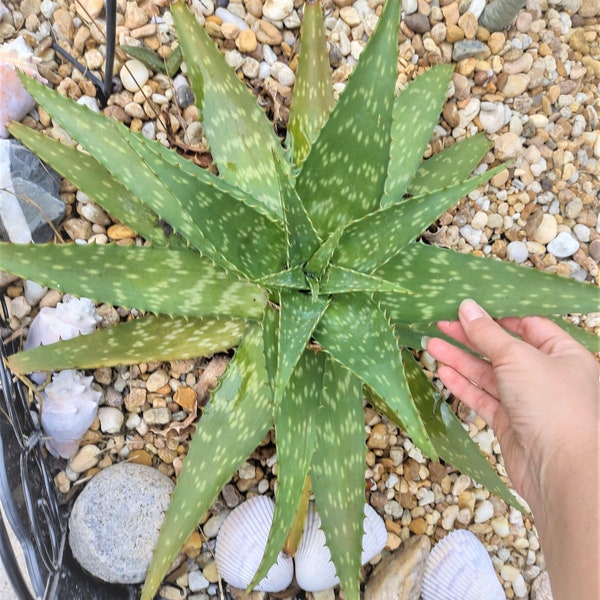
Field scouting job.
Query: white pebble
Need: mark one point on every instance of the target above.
(277, 10)
(563, 245)
(582, 232)
(90, 102)
(228, 17)
(409, 6)
(472, 235)
(283, 74)
(509, 573)
(134, 75)
(484, 511)
(500, 526)
(479, 220)
(517, 252)
(197, 581)
(234, 59)
(461, 484)
(268, 55)
(111, 419)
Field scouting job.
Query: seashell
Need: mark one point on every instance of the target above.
(241, 544)
(69, 319)
(15, 101)
(314, 569)
(460, 567)
(69, 406)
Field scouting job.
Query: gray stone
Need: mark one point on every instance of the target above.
(540, 588)
(35, 187)
(399, 576)
(469, 49)
(114, 525)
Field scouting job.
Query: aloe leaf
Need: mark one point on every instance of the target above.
(339, 280)
(298, 317)
(449, 437)
(319, 261)
(295, 434)
(94, 180)
(302, 239)
(146, 339)
(586, 338)
(338, 473)
(343, 176)
(241, 139)
(237, 418)
(358, 335)
(416, 112)
(442, 278)
(313, 90)
(231, 228)
(293, 278)
(369, 242)
(106, 139)
(160, 280)
(449, 167)
(168, 66)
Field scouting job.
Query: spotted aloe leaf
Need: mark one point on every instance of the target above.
(297, 418)
(424, 97)
(236, 419)
(398, 224)
(93, 179)
(182, 282)
(349, 158)
(150, 339)
(313, 92)
(338, 472)
(356, 333)
(440, 278)
(448, 435)
(242, 141)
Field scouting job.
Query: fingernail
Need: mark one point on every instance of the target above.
(424, 341)
(470, 310)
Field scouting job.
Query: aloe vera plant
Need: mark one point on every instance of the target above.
(305, 256)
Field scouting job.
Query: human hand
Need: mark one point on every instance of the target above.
(539, 393)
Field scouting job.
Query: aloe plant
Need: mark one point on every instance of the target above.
(305, 256)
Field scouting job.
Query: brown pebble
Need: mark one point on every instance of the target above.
(140, 457)
(418, 526)
(119, 232)
(186, 398)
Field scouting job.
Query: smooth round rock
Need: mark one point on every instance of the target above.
(114, 525)
(134, 75)
(517, 252)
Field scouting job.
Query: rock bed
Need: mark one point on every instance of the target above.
(534, 89)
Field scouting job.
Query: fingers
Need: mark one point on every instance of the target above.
(476, 398)
(539, 332)
(472, 368)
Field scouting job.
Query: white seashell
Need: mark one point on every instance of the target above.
(15, 101)
(460, 567)
(241, 544)
(69, 319)
(69, 406)
(314, 569)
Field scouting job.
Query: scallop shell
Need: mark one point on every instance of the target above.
(69, 406)
(314, 569)
(460, 567)
(241, 544)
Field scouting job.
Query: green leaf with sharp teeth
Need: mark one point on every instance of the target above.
(356, 333)
(448, 435)
(442, 278)
(181, 281)
(297, 418)
(148, 339)
(237, 418)
(449, 167)
(93, 179)
(343, 176)
(338, 473)
(416, 112)
(339, 280)
(313, 90)
(369, 242)
(242, 140)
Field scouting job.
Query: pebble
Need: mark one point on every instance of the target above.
(493, 116)
(86, 458)
(483, 512)
(399, 575)
(517, 252)
(540, 588)
(515, 85)
(547, 230)
(111, 419)
(157, 416)
(563, 245)
(277, 10)
(197, 581)
(125, 497)
(134, 75)
(469, 49)
(507, 146)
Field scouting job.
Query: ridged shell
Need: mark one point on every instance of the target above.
(68, 408)
(314, 569)
(241, 544)
(460, 567)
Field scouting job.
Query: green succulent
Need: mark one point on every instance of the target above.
(305, 256)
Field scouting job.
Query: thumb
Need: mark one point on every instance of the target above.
(483, 333)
